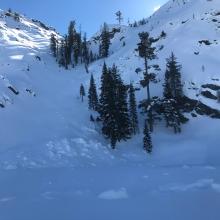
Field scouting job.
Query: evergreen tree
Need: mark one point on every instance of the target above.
(66, 52)
(119, 17)
(77, 47)
(108, 107)
(82, 92)
(147, 141)
(172, 115)
(92, 95)
(173, 88)
(62, 53)
(123, 120)
(71, 38)
(133, 110)
(113, 106)
(85, 51)
(53, 45)
(105, 41)
(173, 93)
(147, 52)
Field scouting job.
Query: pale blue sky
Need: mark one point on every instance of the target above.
(89, 13)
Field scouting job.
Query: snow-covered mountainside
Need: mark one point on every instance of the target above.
(58, 159)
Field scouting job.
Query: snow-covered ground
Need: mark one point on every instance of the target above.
(55, 164)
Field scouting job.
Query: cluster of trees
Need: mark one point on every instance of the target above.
(170, 105)
(15, 15)
(72, 49)
(116, 106)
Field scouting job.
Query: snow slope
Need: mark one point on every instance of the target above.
(53, 158)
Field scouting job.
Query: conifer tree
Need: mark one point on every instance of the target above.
(62, 53)
(105, 41)
(147, 52)
(119, 17)
(92, 95)
(82, 92)
(71, 38)
(147, 141)
(85, 50)
(108, 107)
(173, 93)
(133, 110)
(53, 45)
(173, 87)
(123, 119)
(172, 115)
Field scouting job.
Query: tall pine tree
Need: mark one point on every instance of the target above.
(92, 95)
(105, 41)
(108, 107)
(147, 52)
(133, 110)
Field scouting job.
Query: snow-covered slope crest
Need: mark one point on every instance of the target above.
(193, 34)
(22, 41)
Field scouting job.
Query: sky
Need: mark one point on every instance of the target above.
(89, 14)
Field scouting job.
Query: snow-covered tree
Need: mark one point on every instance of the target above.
(147, 140)
(133, 110)
(148, 53)
(105, 41)
(119, 17)
(173, 87)
(82, 92)
(92, 95)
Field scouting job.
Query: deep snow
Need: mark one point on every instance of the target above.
(54, 164)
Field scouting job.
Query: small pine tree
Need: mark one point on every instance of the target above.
(53, 45)
(147, 141)
(119, 17)
(92, 95)
(172, 115)
(82, 92)
(133, 110)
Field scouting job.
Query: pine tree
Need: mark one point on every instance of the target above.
(173, 93)
(105, 41)
(147, 52)
(119, 17)
(85, 50)
(71, 38)
(66, 52)
(108, 107)
(172, 115)
(77, 47)
(92, 95)
(123, 119)
(82, 92)
(53, 45)
(147, 141)
(133, 110)
(62, 53)
(173, 87)
(113, 106)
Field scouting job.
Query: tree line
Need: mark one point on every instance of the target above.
(117, 106)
